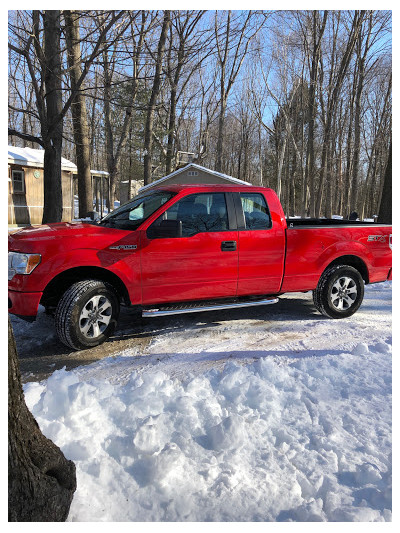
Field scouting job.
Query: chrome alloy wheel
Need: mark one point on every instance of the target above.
(95, 316)
(344, 293)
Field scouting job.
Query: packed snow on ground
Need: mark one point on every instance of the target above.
(245, 429)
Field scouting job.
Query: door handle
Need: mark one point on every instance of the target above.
(228, 246)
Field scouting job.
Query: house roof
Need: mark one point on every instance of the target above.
(30, 157)
(196, 167)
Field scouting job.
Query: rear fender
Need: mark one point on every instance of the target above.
(341, 249)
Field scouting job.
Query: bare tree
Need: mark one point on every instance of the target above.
(183, 25)
(148, 134)
(314, 57)
(385, 208)
(233, 38)
(336, 81)
(114, 143)
(373, 24)
(297, 103)
(374, 139)
(79, 114)
(41, 49)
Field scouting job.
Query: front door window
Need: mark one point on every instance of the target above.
(199, 213)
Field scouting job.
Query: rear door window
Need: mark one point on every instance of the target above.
(255, 210)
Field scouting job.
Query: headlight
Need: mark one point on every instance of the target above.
(22, 263)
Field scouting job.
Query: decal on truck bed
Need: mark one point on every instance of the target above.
(379, 238)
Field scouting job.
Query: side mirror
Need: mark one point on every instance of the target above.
(165, 229)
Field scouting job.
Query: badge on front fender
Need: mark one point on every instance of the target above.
(123, 247)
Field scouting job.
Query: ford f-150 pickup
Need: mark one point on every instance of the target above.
(187, 248)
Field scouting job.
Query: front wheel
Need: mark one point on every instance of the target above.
(340, 291)
(87, 314)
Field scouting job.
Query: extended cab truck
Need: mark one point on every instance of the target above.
(183, 248)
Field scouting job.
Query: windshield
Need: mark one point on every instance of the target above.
(136, 211)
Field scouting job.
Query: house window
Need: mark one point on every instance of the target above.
(18, 181)
(193, 173)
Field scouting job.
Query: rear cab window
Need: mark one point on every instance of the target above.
(255, 211)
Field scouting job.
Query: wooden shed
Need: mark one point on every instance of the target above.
(194, 174)
(25, 186)
(26, 193)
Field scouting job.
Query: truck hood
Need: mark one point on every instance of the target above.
(71, 235)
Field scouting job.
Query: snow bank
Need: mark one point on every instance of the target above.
(275, 440)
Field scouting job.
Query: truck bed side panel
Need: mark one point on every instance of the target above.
(310, 250)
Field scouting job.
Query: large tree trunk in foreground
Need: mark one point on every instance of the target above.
(41, 482)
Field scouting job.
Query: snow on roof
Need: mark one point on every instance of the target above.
(197, 167)
(99, 172)
(31, 157)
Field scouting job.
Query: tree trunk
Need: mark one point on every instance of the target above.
(221, 130)
(357, 122)
(334, 99)
(366, 187)
(41, 482)
(148, 133)
(52, 210)
(171, 132)
(310, 157)
(53, 129)
(79, 116)
(328, 203)
(281, 159)
(173, 101)
(385, 209)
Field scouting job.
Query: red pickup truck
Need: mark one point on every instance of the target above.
(181, 249)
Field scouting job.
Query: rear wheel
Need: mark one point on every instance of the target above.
(340, 291)
(87, 314)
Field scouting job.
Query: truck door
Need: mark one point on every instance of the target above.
(201, 263)
(261, 245)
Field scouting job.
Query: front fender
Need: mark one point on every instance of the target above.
(124, 265)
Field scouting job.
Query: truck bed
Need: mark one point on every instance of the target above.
(313, 243)
(328, 222)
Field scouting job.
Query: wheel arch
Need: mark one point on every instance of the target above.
(60, 283)
(351, 260)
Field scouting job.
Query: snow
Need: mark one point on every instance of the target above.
(235, 420)
(33, 157)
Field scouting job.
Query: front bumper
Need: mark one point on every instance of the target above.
(24, 304)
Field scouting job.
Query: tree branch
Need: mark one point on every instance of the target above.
(26, 136)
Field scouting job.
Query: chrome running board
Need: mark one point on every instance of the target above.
(195, 308)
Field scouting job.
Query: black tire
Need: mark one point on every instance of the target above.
(340, 291)
(80, 322)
